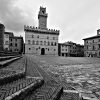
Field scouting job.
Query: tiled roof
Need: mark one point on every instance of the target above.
(96, 36)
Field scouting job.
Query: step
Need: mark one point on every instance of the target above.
(46, 92)
(13, 72)
(6, 58)
(7, 62)
(18, 89)
(70, 95)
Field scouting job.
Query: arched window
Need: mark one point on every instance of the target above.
(33, 42)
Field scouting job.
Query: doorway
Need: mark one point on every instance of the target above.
(42, 51)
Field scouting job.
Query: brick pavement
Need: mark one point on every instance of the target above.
(13, 87)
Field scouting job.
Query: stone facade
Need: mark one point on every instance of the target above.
(16, 44)
(41, 40)
(70, 49)
(92, 46)
(63, 49)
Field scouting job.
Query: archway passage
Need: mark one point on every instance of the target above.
(42, 51)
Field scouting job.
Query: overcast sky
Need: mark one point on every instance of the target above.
(76, 19)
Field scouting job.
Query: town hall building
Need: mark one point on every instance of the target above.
(41, 40)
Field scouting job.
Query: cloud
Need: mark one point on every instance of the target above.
(13, 17)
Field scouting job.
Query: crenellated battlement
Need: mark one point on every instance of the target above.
(36, 29)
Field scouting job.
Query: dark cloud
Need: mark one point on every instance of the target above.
(13, 17)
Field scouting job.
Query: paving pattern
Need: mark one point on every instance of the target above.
(81, 74)
(11, 88)
(50, 86)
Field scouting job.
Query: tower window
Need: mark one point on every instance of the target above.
(43, 12)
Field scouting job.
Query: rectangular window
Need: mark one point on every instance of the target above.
(99, 46)
(15, 44)
(6, 42)
(40, 42)
(87, 47)
(11, 44)
(53, 38)
(32, 36)
(93, 47)
(29, 42)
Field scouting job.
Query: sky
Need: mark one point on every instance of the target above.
(76, 19)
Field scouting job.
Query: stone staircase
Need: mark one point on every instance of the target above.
(48, 91)
(5, 61)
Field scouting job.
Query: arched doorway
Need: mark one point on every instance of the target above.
(42, 51)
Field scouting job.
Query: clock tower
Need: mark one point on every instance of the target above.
(42, 18)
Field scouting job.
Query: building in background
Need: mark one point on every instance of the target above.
(16, 44)
(41, 40)
(10, 43)
(92, 45)
(2, 30)
(70, 49)
(7, 36)
(63, 49)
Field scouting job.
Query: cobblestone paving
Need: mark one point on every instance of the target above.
(81, 74)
